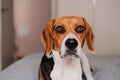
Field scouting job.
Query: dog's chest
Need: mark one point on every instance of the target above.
(67, 71)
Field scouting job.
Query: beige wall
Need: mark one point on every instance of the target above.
(107, 27)
(29, 18)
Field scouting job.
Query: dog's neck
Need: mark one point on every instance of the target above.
(66, 69)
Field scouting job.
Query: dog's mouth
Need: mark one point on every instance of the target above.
(70, 53)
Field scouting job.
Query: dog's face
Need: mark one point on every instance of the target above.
(67, 36)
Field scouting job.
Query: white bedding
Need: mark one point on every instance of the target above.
(104, 67)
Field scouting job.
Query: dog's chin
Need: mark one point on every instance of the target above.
(67, 55)
(70, 59)
(70, 54)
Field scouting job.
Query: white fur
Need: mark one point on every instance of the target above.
(69, 68)
(86, 66)
(66, 69)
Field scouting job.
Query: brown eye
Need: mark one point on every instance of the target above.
(60, 29)
(80, 29)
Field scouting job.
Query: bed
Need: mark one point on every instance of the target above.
(105, 67)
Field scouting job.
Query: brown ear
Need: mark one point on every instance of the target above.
(90, 38)
(46, 37)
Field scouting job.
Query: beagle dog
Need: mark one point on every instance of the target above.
(63, 39)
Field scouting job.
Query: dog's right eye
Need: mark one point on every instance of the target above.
(60, 29)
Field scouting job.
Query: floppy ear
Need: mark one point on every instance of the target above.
(89, 37)
(46, 37)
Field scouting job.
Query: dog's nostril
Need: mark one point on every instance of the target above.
(71, 43)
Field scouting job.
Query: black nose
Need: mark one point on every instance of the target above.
(71, 43)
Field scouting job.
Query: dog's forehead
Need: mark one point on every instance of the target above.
(71, 20)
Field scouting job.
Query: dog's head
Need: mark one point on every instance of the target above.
(67, 36)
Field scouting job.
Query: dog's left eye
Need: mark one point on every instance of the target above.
(80, 29)
(60, 29)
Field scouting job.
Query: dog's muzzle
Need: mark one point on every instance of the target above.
(71, 45)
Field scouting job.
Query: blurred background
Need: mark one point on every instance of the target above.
(21, 22)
